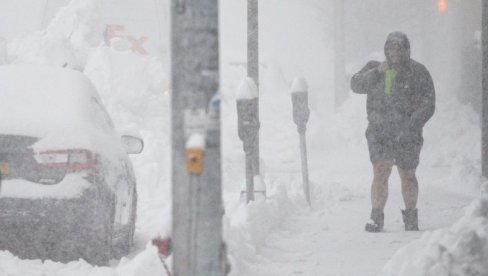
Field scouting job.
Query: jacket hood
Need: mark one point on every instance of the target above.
(402, 40)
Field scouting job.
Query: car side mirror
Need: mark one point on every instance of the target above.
(132, 144)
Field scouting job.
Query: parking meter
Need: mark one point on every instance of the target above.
(299, 97)
(248, 128)
(301, 113)
(247, 121)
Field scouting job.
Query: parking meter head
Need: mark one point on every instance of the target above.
(301, 112)
(247, 119)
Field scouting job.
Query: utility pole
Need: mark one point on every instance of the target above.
(339, 54)
(484, 96)
(253, 67)
(196, 174)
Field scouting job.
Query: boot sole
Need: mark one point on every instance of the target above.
(373, 228)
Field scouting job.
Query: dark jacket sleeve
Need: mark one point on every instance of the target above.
(426, 107)
(363, 81)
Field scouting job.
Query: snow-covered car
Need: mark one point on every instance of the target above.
(68, 189)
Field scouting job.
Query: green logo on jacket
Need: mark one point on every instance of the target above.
(390, 75)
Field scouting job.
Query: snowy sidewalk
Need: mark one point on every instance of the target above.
(330, 240)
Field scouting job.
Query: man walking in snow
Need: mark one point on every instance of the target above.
(400, 100)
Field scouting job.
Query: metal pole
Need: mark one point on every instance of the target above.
(197, 196)
(303, 150)
(249, 178)
(253, 64)
(339, 55)
(484, 73)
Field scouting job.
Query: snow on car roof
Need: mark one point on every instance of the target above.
(57, 104)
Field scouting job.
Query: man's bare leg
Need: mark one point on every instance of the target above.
(410, 192)
(379, 187)
(379, 194)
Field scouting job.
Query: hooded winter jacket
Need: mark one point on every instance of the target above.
(396, 117)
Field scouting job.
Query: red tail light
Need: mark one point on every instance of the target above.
(72, 160)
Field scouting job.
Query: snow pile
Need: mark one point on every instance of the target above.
(145, 264)
(134, 90)
(71, 100)
(449, 143)
(71, 186)
(67, 40)
(457, 251)
(248, 226)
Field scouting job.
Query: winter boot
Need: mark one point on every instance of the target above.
(377, 221)
(410, 218)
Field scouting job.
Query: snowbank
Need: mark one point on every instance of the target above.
(450, 142)
(146, 263)
(70, 187)
(134, 90)
(67, 40)
(456, 251)
(248, 226)
(58, 106)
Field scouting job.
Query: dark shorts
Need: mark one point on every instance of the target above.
(404, 151)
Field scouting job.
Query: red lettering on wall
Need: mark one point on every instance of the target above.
(117, 30)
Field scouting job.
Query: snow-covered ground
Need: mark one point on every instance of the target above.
(281, 235)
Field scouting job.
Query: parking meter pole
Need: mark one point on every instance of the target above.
(197, 244)
(249, 178)
(304, 159)
(301, 113)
